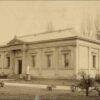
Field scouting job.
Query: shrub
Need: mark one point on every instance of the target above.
(3, 76)
(74, 87)
(97, 78)
(50, 87)
(1, 84)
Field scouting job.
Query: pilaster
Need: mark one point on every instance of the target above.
(77, 61)
(56, 58)
(12, 62)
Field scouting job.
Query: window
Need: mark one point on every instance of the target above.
(94, 61)
(48, 61)
(33, 60)
(8, 61)
(66, 60)
(0, 61)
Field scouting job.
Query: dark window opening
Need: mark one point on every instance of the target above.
(49, 61)
(33, 61)
(94, 61)
(66, 60)
(8, 62)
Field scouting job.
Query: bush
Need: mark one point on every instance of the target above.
(97, 78)
(3, 76)
(74, 88)
(50, 87)
(1, 84)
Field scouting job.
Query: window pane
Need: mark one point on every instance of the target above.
(48, 60)
(66, 60)
(0, 61)
(33, 61)
(94, 61)
(8, 61)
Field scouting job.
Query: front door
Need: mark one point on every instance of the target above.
(19, 66)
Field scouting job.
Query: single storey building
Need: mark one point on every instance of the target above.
(54, 55)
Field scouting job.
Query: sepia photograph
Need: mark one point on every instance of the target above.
(49, 50)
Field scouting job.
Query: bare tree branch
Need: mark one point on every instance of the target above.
(97, 23)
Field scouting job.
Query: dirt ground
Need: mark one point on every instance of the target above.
(27, 93)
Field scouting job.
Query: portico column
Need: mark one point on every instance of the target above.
(24, 60)
(12, 62)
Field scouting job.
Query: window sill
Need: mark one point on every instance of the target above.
(6, 68)
(48, 68)
(65, 68)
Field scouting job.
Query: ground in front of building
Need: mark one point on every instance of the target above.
(27, 93)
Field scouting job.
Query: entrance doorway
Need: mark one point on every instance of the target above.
(19, 66)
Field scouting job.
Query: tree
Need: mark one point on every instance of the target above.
(97, 23)
(86, 25)
(90, 24)
(86, 82)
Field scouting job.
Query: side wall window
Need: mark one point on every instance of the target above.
(0, 61)
(8, 61)
(49, 60)
(33, 61)
(94, 61)
(66, 60)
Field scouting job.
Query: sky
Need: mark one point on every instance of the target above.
(29, 17)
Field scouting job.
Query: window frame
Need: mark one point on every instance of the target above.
(0, 62)
(67, 53)
(66, 60)
(8, 61)
(94, 59)
(33, 58)
(49, 60)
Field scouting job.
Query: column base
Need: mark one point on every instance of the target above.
(21, 76)
(28, 77)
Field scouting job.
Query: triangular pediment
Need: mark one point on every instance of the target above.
(15, 41)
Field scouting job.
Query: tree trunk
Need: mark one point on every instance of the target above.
(87, 91)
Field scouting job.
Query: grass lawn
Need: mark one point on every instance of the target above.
(27, 93)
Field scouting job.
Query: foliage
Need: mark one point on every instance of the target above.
(3, 76)
(50, 87)
(97, 78)
(86, 82)
(1, 84)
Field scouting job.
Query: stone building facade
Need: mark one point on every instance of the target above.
(57, 57)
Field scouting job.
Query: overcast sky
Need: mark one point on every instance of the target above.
(29, 17)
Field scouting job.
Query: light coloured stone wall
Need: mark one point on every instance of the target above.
(80, 52)
(57, 69)
(85, 62)
(3, 63)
